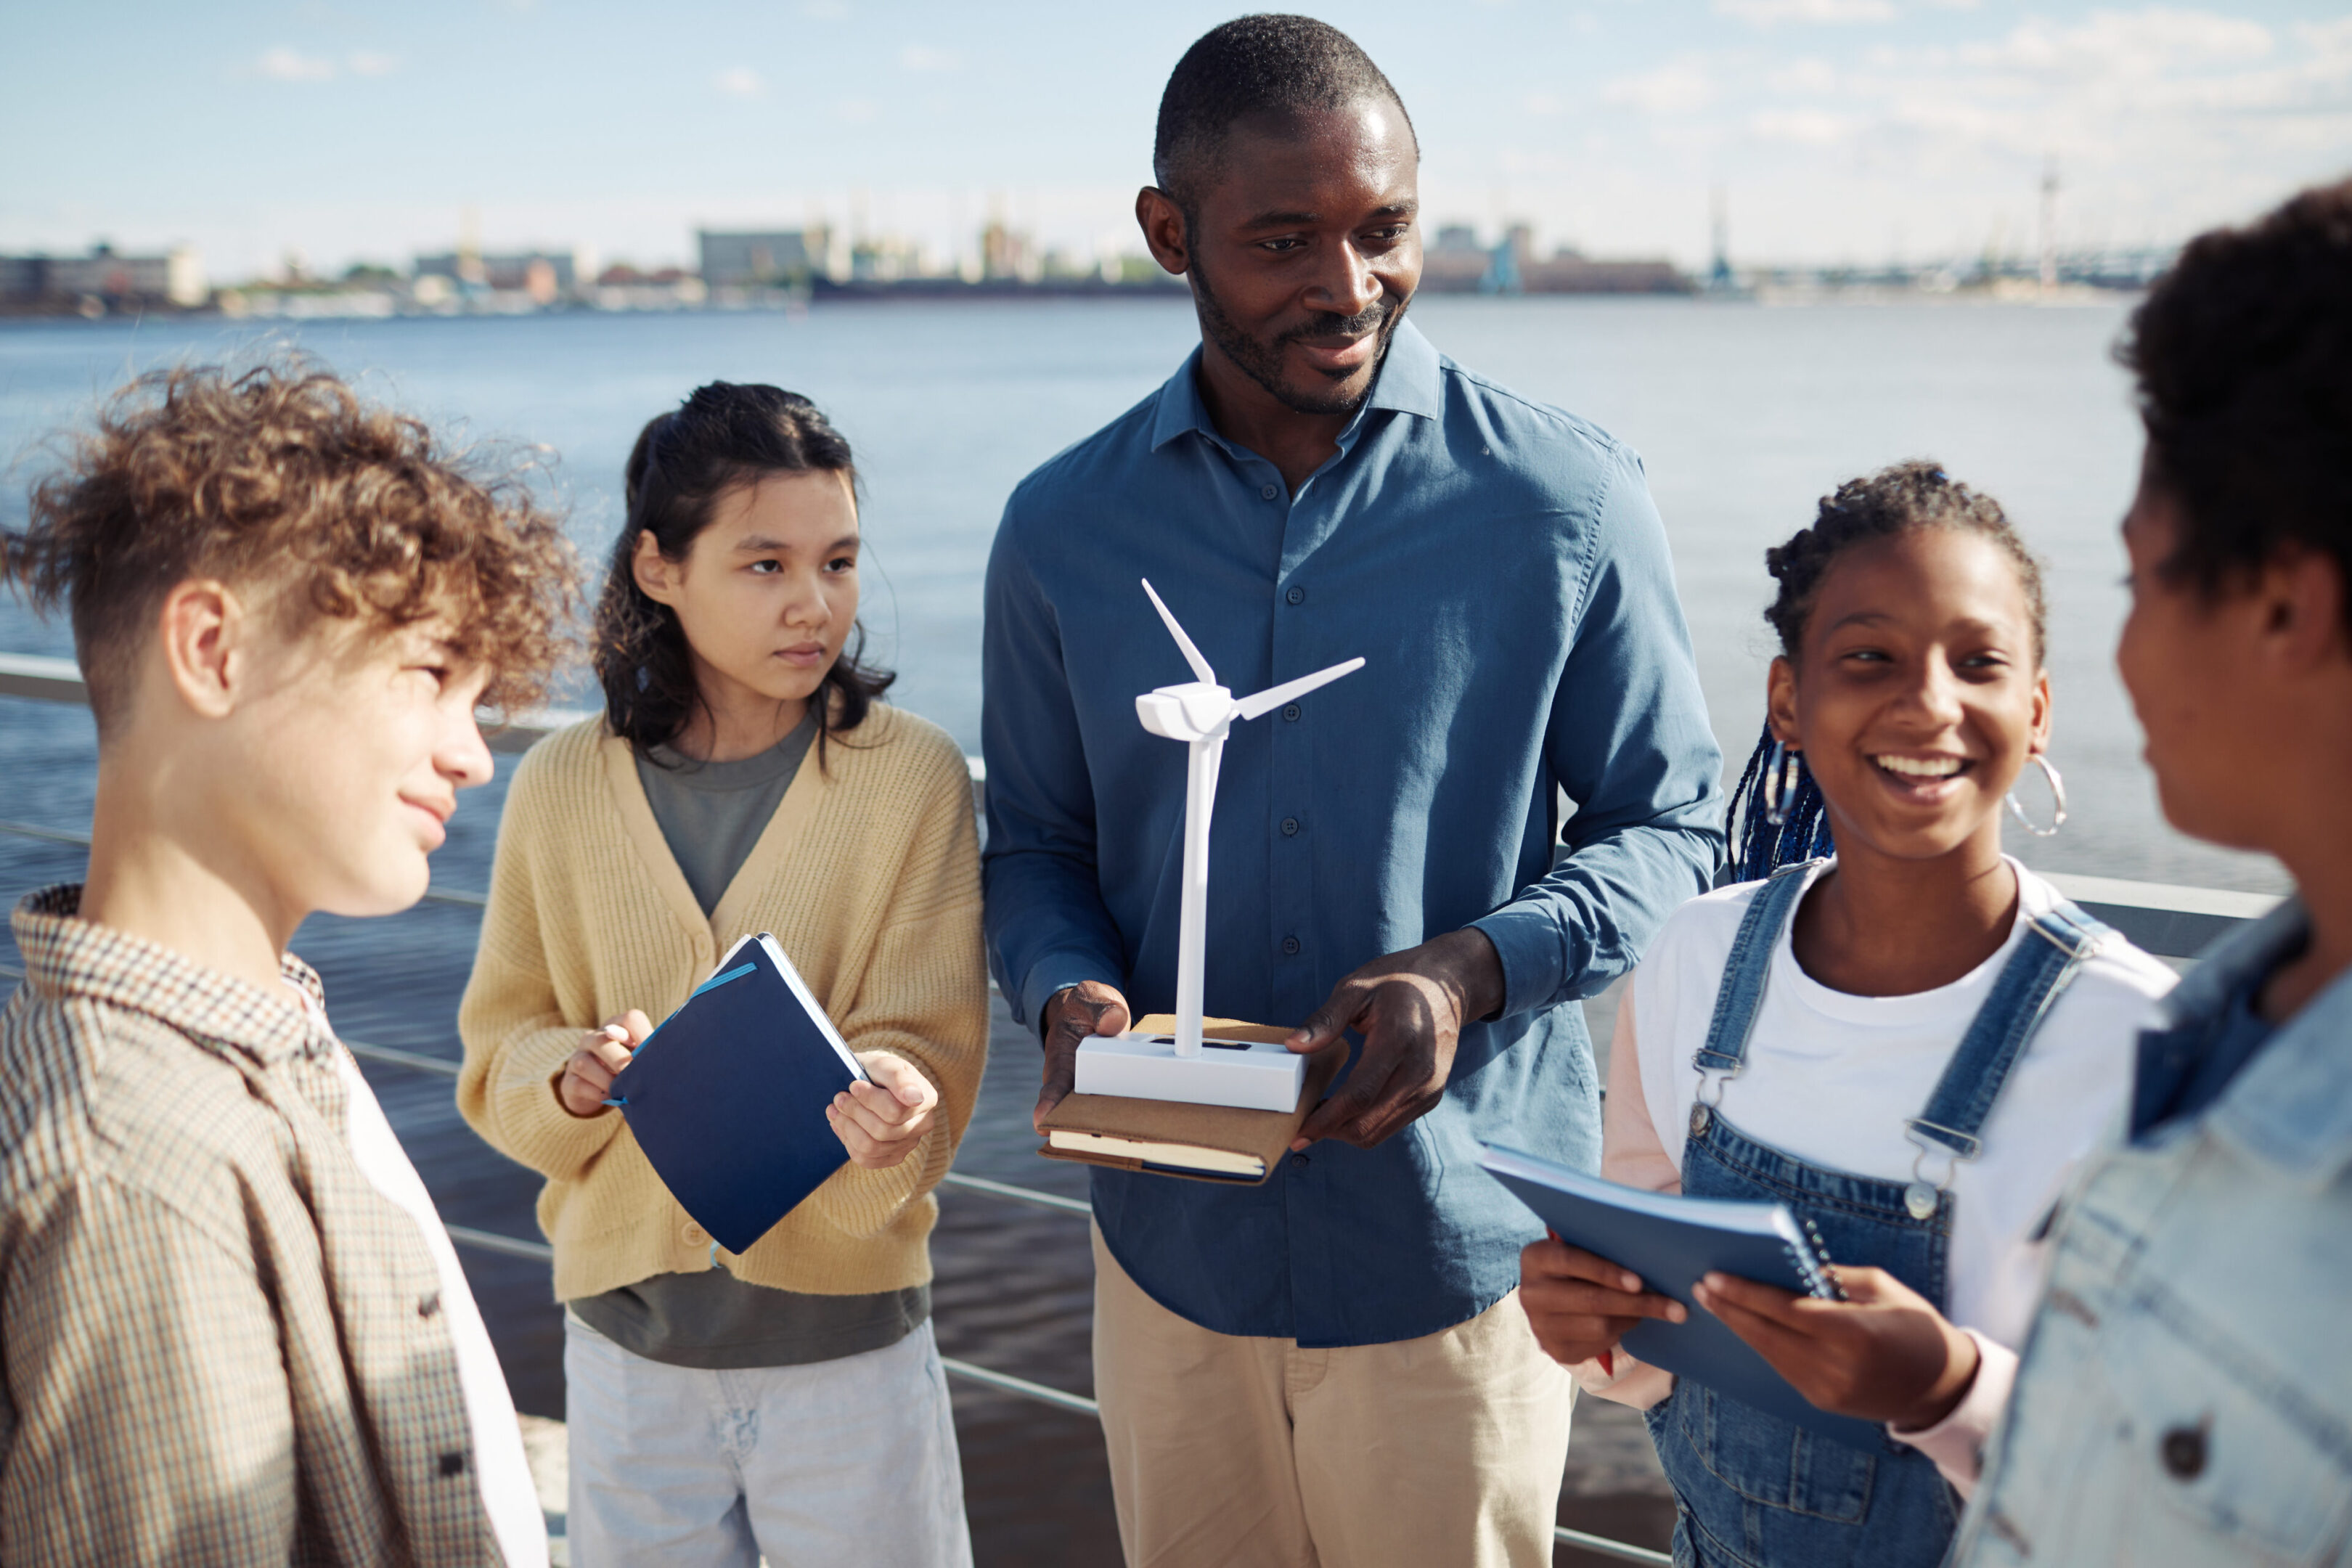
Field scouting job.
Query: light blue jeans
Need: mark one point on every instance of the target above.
(849, 1462)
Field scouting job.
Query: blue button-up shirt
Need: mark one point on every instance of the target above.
(1501, 569)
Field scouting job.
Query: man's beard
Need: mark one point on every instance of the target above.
(1262, 362)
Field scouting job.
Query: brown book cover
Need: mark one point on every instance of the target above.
(1265, 1135)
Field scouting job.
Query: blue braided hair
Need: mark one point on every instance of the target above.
(1758, 846)
(1913, 495)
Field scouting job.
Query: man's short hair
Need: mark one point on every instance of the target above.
(2244, 355)
(281, 479)
(1253, 65)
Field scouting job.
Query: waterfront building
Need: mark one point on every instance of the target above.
(764, 258)
(176, 277)
(545, 275)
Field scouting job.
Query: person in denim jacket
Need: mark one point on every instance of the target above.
(2185, 1394)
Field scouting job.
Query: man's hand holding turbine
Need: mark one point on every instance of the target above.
(1409, 1007)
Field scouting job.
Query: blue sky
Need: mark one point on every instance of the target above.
(1842, 129)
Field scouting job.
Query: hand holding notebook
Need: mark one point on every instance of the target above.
(1671, 1241)
(731, 1098)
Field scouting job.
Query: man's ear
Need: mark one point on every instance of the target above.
(1780, 701)
(1164, 229)
(204, 640)
(656, 574)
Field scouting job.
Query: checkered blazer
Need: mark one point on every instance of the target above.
(221, 1345)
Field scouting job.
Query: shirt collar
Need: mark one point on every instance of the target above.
(66, 956)
(1411, 380)
(2291, 1106)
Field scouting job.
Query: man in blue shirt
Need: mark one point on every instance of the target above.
(1333, 1365)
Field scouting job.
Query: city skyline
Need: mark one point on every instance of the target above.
(1840, 131)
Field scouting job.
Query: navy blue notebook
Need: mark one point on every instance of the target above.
(1670, 1241)
(728, 1096)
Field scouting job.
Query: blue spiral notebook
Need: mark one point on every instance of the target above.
(1670, 1241)
(728, 1096)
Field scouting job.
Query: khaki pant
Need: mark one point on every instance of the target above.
(1230, 1452)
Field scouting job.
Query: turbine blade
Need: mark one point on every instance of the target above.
(1191, 655)
(1274, 696)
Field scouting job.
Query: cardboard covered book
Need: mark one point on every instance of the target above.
(1198, 1142)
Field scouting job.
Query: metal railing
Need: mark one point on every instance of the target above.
(2168, 920)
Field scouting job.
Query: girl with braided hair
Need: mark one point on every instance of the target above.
(1885, 1023)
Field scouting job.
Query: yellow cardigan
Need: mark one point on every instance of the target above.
(870, 877)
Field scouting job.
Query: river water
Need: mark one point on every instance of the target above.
(1743, 415)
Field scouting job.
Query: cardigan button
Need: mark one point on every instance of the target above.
(2183, 1450)
(694, 1233)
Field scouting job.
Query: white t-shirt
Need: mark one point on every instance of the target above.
(1830, 1079)
(499, 1464)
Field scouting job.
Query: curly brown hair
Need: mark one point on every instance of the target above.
(2243, 356)
(280, 478)
(1916, 494)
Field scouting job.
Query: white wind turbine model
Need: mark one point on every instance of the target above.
(1254, 1077)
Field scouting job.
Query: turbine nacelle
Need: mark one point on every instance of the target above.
(1192, 711)
(1201, 710)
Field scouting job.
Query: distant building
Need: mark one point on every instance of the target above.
(177, 277)
(747, 259)
(1570, 271)
(544, 275)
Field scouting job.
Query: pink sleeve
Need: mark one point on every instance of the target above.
(1630, 1150)
(1631, 1153)
(1957, 1443)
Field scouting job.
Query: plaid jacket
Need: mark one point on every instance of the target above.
(220, 1343)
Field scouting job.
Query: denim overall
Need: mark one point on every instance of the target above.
(1753, 1489)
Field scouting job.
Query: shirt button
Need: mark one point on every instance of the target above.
(453, 1463)
(1298, 1160)
(2183, 1449)
(1268, 491)
(428, 1304)
(1290, 946)
(1297, 595)
(1290, 828)
(1290, 712)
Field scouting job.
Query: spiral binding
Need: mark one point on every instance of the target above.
(1813, 1264)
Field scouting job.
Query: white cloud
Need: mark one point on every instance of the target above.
(282, 64)
(1680, 87)
(365, 63)
(740, 81)
(1806, 127)
(1772, 12)
(1800, 77)
(2128, 44)
(916, 57)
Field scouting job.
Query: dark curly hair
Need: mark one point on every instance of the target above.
(280, 478)
(1901, 500)
(723, 436)
(2243, 356)
(1265, 64)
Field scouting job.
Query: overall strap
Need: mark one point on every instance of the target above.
(1741, 994)
(2030, 984)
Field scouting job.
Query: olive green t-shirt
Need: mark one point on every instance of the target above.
(712, 814)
